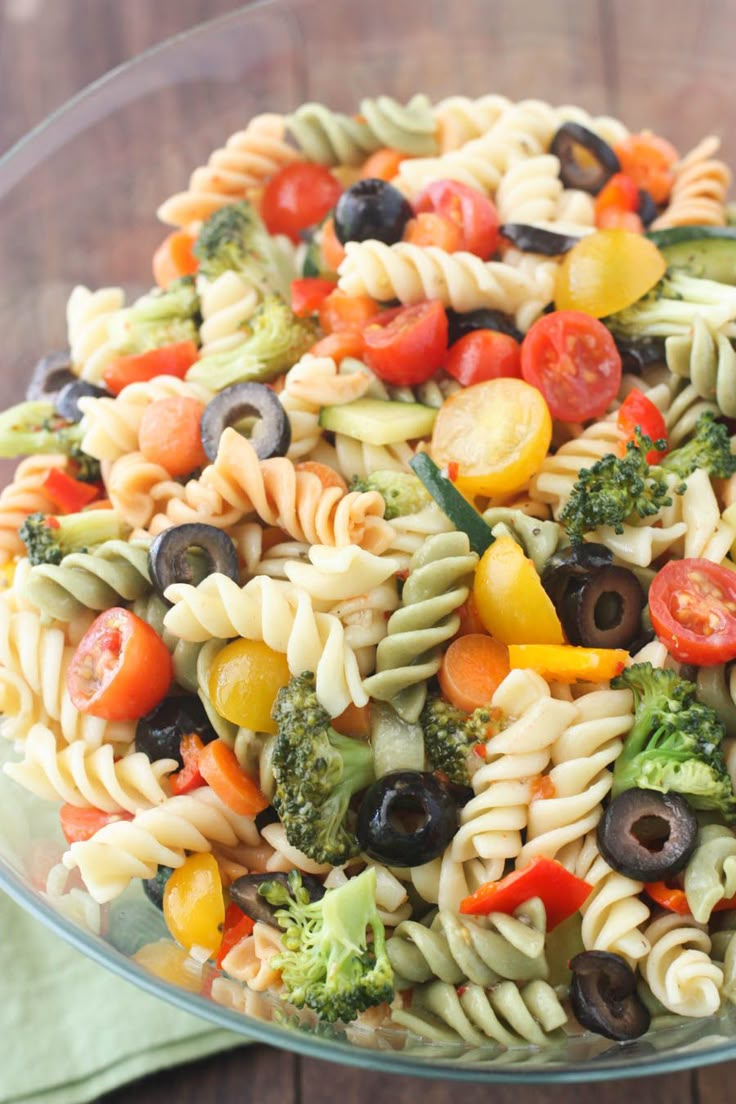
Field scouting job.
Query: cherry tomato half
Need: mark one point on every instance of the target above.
(407, 345)
(308, 293)
(80, 824)
(573, 360)
(340, 312)
(648, 160)
(692, 604)
(121, 668)
(484, 355)
(474, 214)
(297, 197)
(639, 412)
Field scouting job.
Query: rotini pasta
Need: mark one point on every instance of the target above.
(312, 383)
(249, 960)
(93, 580)
(558, 473)
(678, 968)
(699, 189)
(708, 360)
(460, 119)
(330, 138)
(710, 875)
(227, 303)
(23, 496)
(88, 316)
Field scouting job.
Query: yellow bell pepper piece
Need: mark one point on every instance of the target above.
(567, 663)
(512, 603)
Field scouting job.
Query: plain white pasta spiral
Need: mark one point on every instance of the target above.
(89, 777)
(580, 776)
(679, 969)
(227, 303)
(357, 459)
(412, 273)
(333, 575)
(312, 383)
(559, 471)
(111, 425)
(161, 836)
(530, 191)
(249, 960)
(283, 617)
(492, 821)
(88, 317)
(606, 127)
(460, 119)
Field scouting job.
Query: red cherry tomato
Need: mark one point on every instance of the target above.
(483, 355)
(307, 294)
(407, 345)
(79, 824)
(473, 213)
(298, 196)
(639, 412)
(121, 668)
(573, 360)
(692, 604)
(620, 193)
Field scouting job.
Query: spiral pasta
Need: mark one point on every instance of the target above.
(334, 575)
(558, 473)
(113, 571)
(23, 496)
(312, 383)
(530, 191)
(249, 960)
(439, 576)
(699, 189)
(708, 360)
(155, 837)
(412, 273)
(710, 875)
(226, 303)
(137, 487)
(460, 119)
(89, 777)
(88, 316)
(678, 968)
(279, 614)
(238, 483)
(457, 949)
(248, 159)
(356, 459)
(492, 821)
(331, 138)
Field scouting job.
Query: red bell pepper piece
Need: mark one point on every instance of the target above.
(561, 892)
(189, 777)
(80, 824)
(236, 927)
(307, 294)
(674, 899)
(67, 494)
(169, 360)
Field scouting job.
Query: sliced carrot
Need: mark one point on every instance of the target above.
(348, 343)
(327, 476)
(472, 669)
(170, 434)
(339, 312)
(470, 621)
(429, 228)
(383, 164)
(221, 770)
(333, 251)
(174, 258)
(354, 721)
(648, 160)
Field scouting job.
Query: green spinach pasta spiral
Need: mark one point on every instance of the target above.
(114, 571)
(710, 875)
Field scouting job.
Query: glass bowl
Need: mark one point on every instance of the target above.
(77, 205)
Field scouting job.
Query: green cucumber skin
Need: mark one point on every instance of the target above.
(378, 421)
(706, 252)
(462, 515)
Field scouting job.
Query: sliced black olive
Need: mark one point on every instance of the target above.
(574, 563)
(638, 353)
(372, 209)
(482, 319)
(586, 161)
(406, 818)
(66, 403)
(647, 835)
(244, 892)
(641, 641)
(604, 998)
(603, 610)
(159, 733)
(265, 817)
(648, 209)
(154, 887)
(271, 434)
(170, 556)
(50, 374)
(459, 793)
(534, 239)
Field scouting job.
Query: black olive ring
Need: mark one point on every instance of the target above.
(603, 996)
(417, 795)
(271, 435)
(168, 556)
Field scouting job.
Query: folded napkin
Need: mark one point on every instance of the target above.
(72, 1030)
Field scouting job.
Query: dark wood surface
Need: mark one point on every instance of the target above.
(49, 49)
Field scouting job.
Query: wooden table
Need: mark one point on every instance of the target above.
(49, 49)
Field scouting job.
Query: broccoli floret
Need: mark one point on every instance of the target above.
(328, 963)
(676, 743)
(673, 305)
(163, 317)
(614, 489)
(402, 492)
(317, 771)
(709, 448)
(34, 427)
(450, 735)
(48, 538)
(86, 469)
(235, 239)
(274, 340)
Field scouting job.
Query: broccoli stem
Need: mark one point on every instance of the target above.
(34, 427)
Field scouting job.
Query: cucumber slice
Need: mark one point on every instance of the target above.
(708, 252)
(463, 516)
(379, 422)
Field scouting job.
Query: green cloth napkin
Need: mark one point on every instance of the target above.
(72, 1030)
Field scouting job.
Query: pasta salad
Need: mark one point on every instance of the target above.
(370, 582)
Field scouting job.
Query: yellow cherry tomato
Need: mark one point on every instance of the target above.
(511, 601)
(170, 963)
(245, 679)
(608, 271)
(194, 907)
(492, 436)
